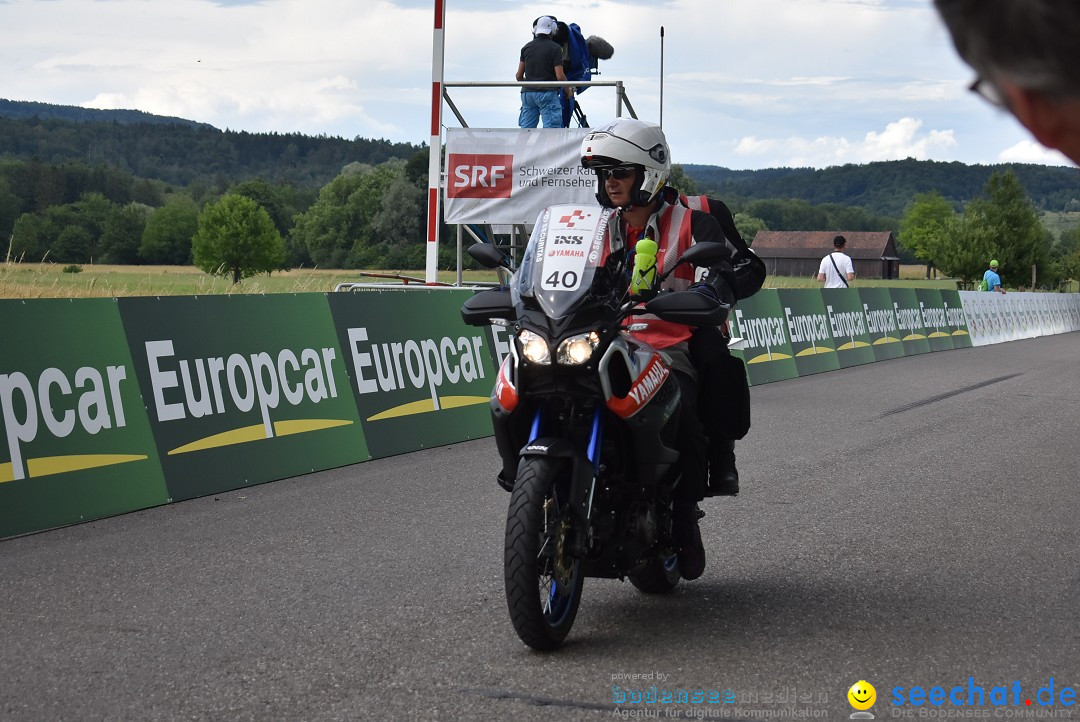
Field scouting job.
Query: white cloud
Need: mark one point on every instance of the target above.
(1027, 151)
(900, 139)
(748, 83)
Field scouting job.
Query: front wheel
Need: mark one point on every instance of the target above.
(543, 580)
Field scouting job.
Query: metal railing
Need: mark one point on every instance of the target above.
(620, 91)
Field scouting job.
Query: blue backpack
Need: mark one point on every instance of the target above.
(583, 57)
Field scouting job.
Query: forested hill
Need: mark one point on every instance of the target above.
(186, 153)
(887, 187)
(183, 153)
(76, 114)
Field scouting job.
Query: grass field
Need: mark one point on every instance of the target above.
(48, 280)
(1058, 221)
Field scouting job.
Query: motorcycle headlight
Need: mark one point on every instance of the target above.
(577, 350)
(534, 348)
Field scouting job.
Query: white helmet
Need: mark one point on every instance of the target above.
(627, 141)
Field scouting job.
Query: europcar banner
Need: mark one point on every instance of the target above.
(77, 444)
(909, 321)
(510, 175)
(420, 376)
(760, 322)
(934, 319)
(242, 389)
(849, 326)
(881, 324)
(807, 323)
(955, 322)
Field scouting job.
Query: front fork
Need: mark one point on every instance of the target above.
(584, 471)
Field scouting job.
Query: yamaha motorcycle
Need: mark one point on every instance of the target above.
(585, 417)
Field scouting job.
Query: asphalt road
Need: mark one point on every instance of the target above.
(908, 523)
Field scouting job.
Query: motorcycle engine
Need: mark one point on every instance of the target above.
(644, 525)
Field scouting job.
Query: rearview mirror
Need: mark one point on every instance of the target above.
(705, 254)
(489, 256)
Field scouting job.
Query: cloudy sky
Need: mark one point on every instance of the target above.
(746, 83)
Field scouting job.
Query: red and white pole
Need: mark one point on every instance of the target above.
(435, 146)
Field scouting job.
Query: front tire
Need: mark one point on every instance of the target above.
(542, 609)
(660, 575)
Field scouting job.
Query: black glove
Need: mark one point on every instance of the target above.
(718, 283)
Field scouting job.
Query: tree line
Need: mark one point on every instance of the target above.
(197, 157)
(373, 216)
(368, 216)
(1001, 224)
(885, 188)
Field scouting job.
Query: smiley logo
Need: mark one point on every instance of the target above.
(862, 695)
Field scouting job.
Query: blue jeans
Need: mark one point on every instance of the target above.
(536, 104)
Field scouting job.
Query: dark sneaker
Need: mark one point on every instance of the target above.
(723, 476)
(688, 544)
(503, 483)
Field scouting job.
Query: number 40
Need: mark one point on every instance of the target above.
(568, 279)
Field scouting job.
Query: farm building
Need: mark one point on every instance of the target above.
(799, 253)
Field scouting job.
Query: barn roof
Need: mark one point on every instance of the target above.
(815, 244)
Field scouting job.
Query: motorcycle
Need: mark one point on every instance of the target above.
(585, 417)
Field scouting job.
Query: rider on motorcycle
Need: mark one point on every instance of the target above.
(632, 163)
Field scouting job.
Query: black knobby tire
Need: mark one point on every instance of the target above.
(541, 611)
(660, 574)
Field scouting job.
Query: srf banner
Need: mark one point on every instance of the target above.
(510, 175)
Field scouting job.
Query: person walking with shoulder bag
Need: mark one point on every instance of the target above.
(836, 268)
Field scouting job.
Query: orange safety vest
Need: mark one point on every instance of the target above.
(671, 228)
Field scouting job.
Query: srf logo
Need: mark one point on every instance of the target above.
(479, 175)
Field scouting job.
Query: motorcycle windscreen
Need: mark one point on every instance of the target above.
(560, 262)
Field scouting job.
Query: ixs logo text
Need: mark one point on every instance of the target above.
(89, 400)
(479, 175)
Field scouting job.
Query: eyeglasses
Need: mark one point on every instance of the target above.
(989, 92)
(621, 172)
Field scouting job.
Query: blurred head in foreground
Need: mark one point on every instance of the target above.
(1024, 53)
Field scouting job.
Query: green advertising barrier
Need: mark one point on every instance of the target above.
(242, 389)
(759, 321)
(934, 319)
(881, 324)
(78, 444)
(956, 319)
(807, 324)
(909, 321)
(109, 406)
(421, 377)
(848, 324)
